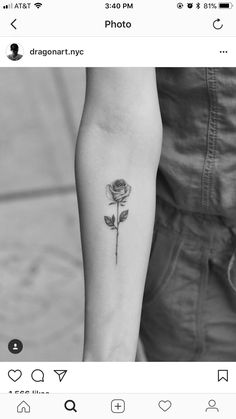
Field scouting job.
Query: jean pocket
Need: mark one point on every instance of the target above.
(171, 328)
(166, 248)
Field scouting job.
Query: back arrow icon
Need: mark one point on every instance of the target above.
(12, 24)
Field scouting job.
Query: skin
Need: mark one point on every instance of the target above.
(119, 138)
(14, 52)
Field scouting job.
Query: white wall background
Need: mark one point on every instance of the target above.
(41, 280)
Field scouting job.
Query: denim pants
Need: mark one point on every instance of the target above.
(189, 307)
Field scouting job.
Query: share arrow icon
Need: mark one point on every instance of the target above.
(61, 374)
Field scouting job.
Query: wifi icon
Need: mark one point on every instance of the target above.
(38, 5)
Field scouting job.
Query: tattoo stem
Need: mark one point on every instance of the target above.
(117, 192)
(117, 233)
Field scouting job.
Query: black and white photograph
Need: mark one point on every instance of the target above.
(15, 52)
(117, 214)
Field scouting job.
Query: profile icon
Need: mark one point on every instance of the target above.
(14, 53)
(212, 406)
(15, 346)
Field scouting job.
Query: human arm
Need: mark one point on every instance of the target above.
(119, 139)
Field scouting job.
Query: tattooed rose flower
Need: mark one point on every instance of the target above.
(118, 191)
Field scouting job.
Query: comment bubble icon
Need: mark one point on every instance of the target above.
(38, 376)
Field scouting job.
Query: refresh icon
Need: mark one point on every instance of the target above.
(217, 24)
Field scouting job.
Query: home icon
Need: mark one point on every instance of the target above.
(23, 407)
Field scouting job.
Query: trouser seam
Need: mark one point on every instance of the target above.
(200, 324)
(209, 163)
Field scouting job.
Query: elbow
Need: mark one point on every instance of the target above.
(120, 136)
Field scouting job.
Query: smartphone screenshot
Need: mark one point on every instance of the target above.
(117, 209)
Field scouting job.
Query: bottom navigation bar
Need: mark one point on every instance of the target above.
(126, 405)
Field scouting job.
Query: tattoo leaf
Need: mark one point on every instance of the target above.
(109, 221)
(124, 216)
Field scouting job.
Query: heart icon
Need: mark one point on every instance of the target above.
(14, 375)
(164, 405)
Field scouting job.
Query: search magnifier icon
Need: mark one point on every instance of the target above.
(70, 406)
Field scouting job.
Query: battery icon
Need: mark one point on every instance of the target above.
(225, 5)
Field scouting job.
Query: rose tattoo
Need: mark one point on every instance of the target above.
(117, 192)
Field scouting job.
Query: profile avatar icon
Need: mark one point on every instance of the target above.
(15, 346)
(212, 406)
(14, 55)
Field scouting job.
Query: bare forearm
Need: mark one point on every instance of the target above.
(116, 162)
(115, 253)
